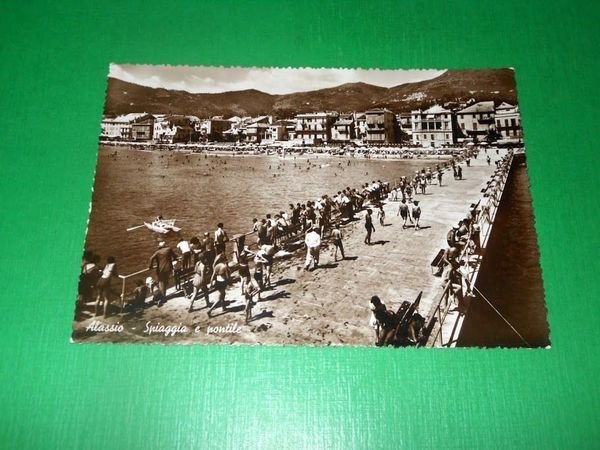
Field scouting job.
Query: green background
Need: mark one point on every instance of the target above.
(55, 394)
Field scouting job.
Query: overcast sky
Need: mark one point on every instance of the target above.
(272, 81)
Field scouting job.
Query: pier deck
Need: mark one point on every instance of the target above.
(330, 305)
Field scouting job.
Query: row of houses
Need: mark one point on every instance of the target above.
(432, 127)
(482, 121)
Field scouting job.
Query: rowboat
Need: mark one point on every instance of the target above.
(162, 226)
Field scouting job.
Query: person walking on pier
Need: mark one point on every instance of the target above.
(163, 259)
(408, 191)
(266, 255)
(439, 177)
(369, 226)
(403, 212)
(313, 248)
(422, 184)
(459, 172)
(220, 238)
(336, 237)
(103, 284)
(416, 213)
(202, 272)
(220, 279)
(208, 247)
(261, 232)
(451, 236)
(186, 253)
(384, 321)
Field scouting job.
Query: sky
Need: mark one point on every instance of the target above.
(270, 80)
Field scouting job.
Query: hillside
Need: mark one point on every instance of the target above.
(451, 86)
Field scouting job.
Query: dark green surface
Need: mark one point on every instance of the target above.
(57, 395)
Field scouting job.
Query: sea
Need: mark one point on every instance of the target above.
(200, 190)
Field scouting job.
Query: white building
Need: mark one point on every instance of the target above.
(432, 127)
(119, 128)
(343, 129)
(508, 121)
(314, 128)
(476, 121)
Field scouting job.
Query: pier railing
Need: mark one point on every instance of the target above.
(492, 196)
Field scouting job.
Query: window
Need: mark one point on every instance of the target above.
(513, 122)
(432, 137)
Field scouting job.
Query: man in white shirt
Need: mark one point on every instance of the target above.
(313, 247)
(186, 253)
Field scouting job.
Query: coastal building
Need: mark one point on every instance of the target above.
(432, 127)
(212, 129)
(171, 129)
(343, 129)
(508, 122)
(477, 121)
(405, 124)
(119, 128)
(279, 130)
(381, 126)
(314, 128)
(256, 132)
(142, 128)
(360, 126)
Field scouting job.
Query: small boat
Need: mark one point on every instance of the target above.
(162, 226)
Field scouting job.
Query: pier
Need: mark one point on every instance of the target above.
(330, 305)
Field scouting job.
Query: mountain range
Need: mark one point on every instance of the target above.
(451, 87)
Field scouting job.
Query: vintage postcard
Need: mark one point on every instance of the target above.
(311, 207)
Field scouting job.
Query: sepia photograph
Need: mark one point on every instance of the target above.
(312, 207)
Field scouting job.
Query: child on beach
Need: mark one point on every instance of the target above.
(381, 215)
(251, 288)
(416, 213)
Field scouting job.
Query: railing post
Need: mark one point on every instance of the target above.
(123, 293)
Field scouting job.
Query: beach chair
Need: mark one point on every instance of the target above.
(436, 263)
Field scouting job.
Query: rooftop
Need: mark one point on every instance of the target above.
(480, 107)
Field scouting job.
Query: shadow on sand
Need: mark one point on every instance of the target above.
(380, 242)
(275, 296)
(262, 315)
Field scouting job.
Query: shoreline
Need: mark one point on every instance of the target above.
(375, 152)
